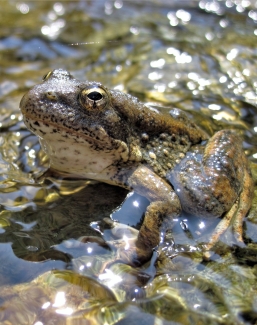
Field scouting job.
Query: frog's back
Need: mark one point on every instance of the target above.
(162, 140)
(153, 122)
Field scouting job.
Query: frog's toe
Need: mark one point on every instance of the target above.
(133, 255)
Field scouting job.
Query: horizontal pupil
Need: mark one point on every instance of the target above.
(95, 96)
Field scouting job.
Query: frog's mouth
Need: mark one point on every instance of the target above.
(44, 129)
(61, 142)
(44, 125)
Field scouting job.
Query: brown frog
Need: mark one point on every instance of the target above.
(92, 132)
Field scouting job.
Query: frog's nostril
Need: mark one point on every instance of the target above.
(51, 95)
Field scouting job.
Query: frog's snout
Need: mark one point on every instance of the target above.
(23, 103)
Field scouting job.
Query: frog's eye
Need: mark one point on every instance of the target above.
(46, 76)
(93, 98)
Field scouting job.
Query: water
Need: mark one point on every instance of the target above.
(198, 56)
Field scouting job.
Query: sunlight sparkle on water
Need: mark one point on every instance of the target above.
(223, 115)
(204, 82)
(136, 204)
(160, 87)
(64, 311)
(118, 68)
(201, 225)
(173, 51)
(223, 79)
(202, 4)
(60, 299)
(23, 8)
(193, 76)
(110, 277)
(185, 16)
(240, 8)
(229, 4)
(53, 29)
(89, 250)
(134, 30)
(245, 3)
(184, 57)
(212, 6)
(252, 14)
(246, 72)
(155, 75)
(118, 4)
(232, 54)
(46, 305)
(224, 23)
(214, 107)
(32, 153)
(108, 8)
(251, 95)
(172, 84)
(209, 36)
(125, 239)
(157, 63)
(172, 18)
(59, 8)
(52, 15)
(191, 85)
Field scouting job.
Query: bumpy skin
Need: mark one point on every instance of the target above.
(93, 132)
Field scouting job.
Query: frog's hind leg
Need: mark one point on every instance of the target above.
(221, 228)
(215, 181)
(244, 205)
(236, 214)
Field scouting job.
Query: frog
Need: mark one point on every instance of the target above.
(92, 132)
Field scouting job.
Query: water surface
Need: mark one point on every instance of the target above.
(199, 56)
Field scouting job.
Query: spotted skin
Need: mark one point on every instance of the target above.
(92, 132)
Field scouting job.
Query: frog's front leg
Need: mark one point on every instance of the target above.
(215, 181)
(164, 206)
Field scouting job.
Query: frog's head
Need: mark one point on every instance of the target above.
(79, 124)
(86, 128)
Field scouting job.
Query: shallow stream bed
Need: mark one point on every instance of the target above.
(198, 56)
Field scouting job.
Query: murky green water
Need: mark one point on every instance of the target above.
(56, 268)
